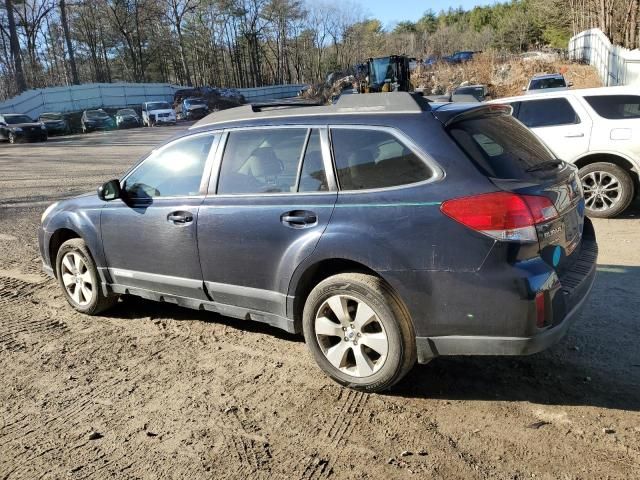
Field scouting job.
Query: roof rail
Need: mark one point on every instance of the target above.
(260, 106)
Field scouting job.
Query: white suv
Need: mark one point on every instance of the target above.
(156, 113)
(597, 129)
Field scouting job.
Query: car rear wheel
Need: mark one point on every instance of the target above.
(78, 277)
(359, 332)
(608, 189)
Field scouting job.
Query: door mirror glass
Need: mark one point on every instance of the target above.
(109, 190)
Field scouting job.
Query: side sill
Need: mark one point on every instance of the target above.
(277, 321)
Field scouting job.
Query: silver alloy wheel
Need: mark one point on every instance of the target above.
(602, 190)
(351, 336)
(76, 278)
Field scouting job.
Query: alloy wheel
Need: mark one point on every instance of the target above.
(602, 190)
(76, 279)
(351, 336)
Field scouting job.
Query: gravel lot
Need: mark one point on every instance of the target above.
(156, 391)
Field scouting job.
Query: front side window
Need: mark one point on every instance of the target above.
(367, 159)
(261, 161)
(547, 113)
(615, 107)
(173, 171)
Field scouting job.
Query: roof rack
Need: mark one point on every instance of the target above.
(367, 103)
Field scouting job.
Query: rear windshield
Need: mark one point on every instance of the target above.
(500, 146)
(542, 83)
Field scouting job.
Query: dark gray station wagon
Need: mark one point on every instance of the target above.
(385, 228)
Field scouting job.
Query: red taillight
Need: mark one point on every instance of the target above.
(540, 310)
(501, 215)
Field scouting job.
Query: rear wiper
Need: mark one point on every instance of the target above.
(548, 165)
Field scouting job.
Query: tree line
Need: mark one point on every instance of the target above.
(250, 43)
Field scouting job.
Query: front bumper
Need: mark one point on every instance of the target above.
(43, 239)
(576, 284)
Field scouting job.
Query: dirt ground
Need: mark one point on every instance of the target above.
(156, 391)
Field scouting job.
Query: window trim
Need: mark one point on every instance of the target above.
(206, 172)
(212, 190)
(438, 172)
(579, 119)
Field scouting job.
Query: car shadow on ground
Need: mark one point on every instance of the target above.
(596, 364)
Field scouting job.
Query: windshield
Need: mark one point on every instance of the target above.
(126, 111)
(195, 101)
(15, 119)
(381, 70)
(96, 114)
(500, 146)
(51, 116)
(541, 83)
(158, 106)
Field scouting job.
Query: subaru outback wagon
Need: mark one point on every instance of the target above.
(384, 228)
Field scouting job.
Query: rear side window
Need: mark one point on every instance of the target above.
(615, 107)
(547, 113)
(500, 146)
(261, 161)
(367, 159)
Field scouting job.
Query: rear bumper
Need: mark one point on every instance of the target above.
(576, 286)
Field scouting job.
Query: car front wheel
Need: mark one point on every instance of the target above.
(12, 138)
(608, 189)
(359, 332)
(78, 277)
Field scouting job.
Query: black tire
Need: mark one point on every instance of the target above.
(390, 311)
(99, 302)
(626, 192)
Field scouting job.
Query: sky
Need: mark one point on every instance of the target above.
(390, 12)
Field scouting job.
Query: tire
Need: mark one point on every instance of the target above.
(67, 254)
(613, 201)
(387, 317)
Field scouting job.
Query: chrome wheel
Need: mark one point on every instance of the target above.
(76, 279)
(602, 190)
(351, 336)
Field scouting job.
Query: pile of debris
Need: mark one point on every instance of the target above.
(504, 76)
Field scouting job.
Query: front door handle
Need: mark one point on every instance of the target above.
(180, 217)
(299, 218)
(574, 135)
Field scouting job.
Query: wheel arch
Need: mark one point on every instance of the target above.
(58, 237)
(307, 277)
(618, 159)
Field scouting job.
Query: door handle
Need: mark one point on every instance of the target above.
(574, 135)
(299, 218)
(180, 217)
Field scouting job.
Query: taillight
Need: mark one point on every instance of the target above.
(502, 215)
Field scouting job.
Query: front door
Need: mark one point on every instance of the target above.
(273, 203)
(149, 236)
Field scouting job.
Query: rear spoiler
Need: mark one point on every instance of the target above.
(451, 114)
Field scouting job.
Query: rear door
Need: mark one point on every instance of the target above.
(561, 122)
(265, 213)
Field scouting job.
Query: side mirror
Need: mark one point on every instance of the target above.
(110, 190)
(570, 84)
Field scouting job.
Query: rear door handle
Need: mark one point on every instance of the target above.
(180, 217)
(299, 218)
(574, 135)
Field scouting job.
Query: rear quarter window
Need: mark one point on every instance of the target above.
(615, 107)
(500, 146)
(369, 159)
